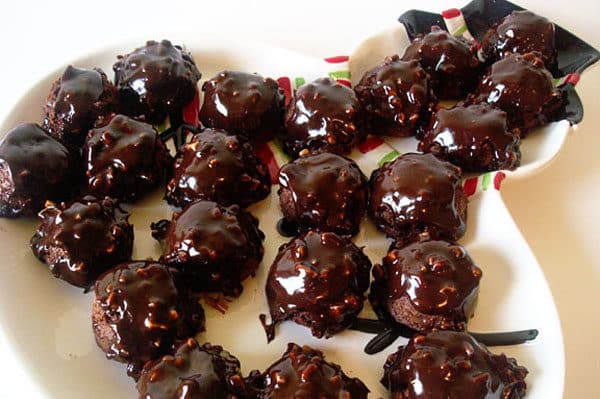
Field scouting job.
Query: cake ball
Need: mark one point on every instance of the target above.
(318, 280)
(193, 372)
(474, 137)
(140, 309)
(218, 166)
(418, 193)
(451, 62)
(450, 364)
(156, 81)
(324, 191)
(124, 159)
(243, 103)
(81, 239)
(216, 247)
(428, 284)
(323, 115)
(396, 96)
(34, 168)
(77, 98)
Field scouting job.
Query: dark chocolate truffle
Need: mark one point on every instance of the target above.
(81, 239)
(417, 193)
(396, 97)
(76, 100)
(218, 166)
(323, 115)
(449, 364)
(428, 284)
(217, 247)
(451, 62)
(474, 137)
(156, 81)
(34, 168)
(140, 309)
(303, 373)
(317, 280)
(124, 159)
(192, 372)
(243, 103)
(323, 191)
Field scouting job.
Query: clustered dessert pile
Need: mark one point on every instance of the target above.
(99, 146)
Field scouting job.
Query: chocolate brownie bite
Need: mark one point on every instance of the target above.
(81, 239)
(450, 364)
(450, 61)
(318, 280)
(323, 115)
(34, 167)
(216, 246)
(124, 159)
(156, 81)
(418, 193)
(243, 103)
(396, 96)
(474, 137)
(140, 309)
(325, 191)
(218, 166)
(303, 373)
(77, 98)
(193, 372)
(428, 284)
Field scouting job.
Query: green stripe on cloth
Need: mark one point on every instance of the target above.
(460, 30)
(486, 180)
(388, 157)
(340, 74)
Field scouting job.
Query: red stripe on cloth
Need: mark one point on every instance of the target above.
(370, 144)
(337, 59)
(286, 86)
(470, 186)
(451, 13)
(266, 156)
(190, 112)
(572, 78)
(498, 179)
(344, 82)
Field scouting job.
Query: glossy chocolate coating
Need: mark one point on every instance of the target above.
(303, 373)
(450, 61)
(521, 32)
(243, 103)
(417, 193)
(218, 166)
(140, 309)
(474, 137)
(427, 284)
(83, 238)
(396, 97)
(323, 191)
(34, 168)
(318, 280)
(449, 364)
(192, 372)
(156, 80)
(76, 100)
(323, 115)
(124, 159)
(217, 247)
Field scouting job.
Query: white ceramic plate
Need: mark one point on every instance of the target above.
(47, 322)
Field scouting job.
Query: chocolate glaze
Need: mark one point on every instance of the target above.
(451, 62)
(218, 166)
(124, 159)
(216, 247)
(156, 80)
(323, 191)
(396, 96)
(192, 372)
(83, 238)
(417, 193)
(76, 100)
(317, 280)
(474, 137)
(243, 103)
(140, 309)
(34, 168)
(448, 364)
(323, 115)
